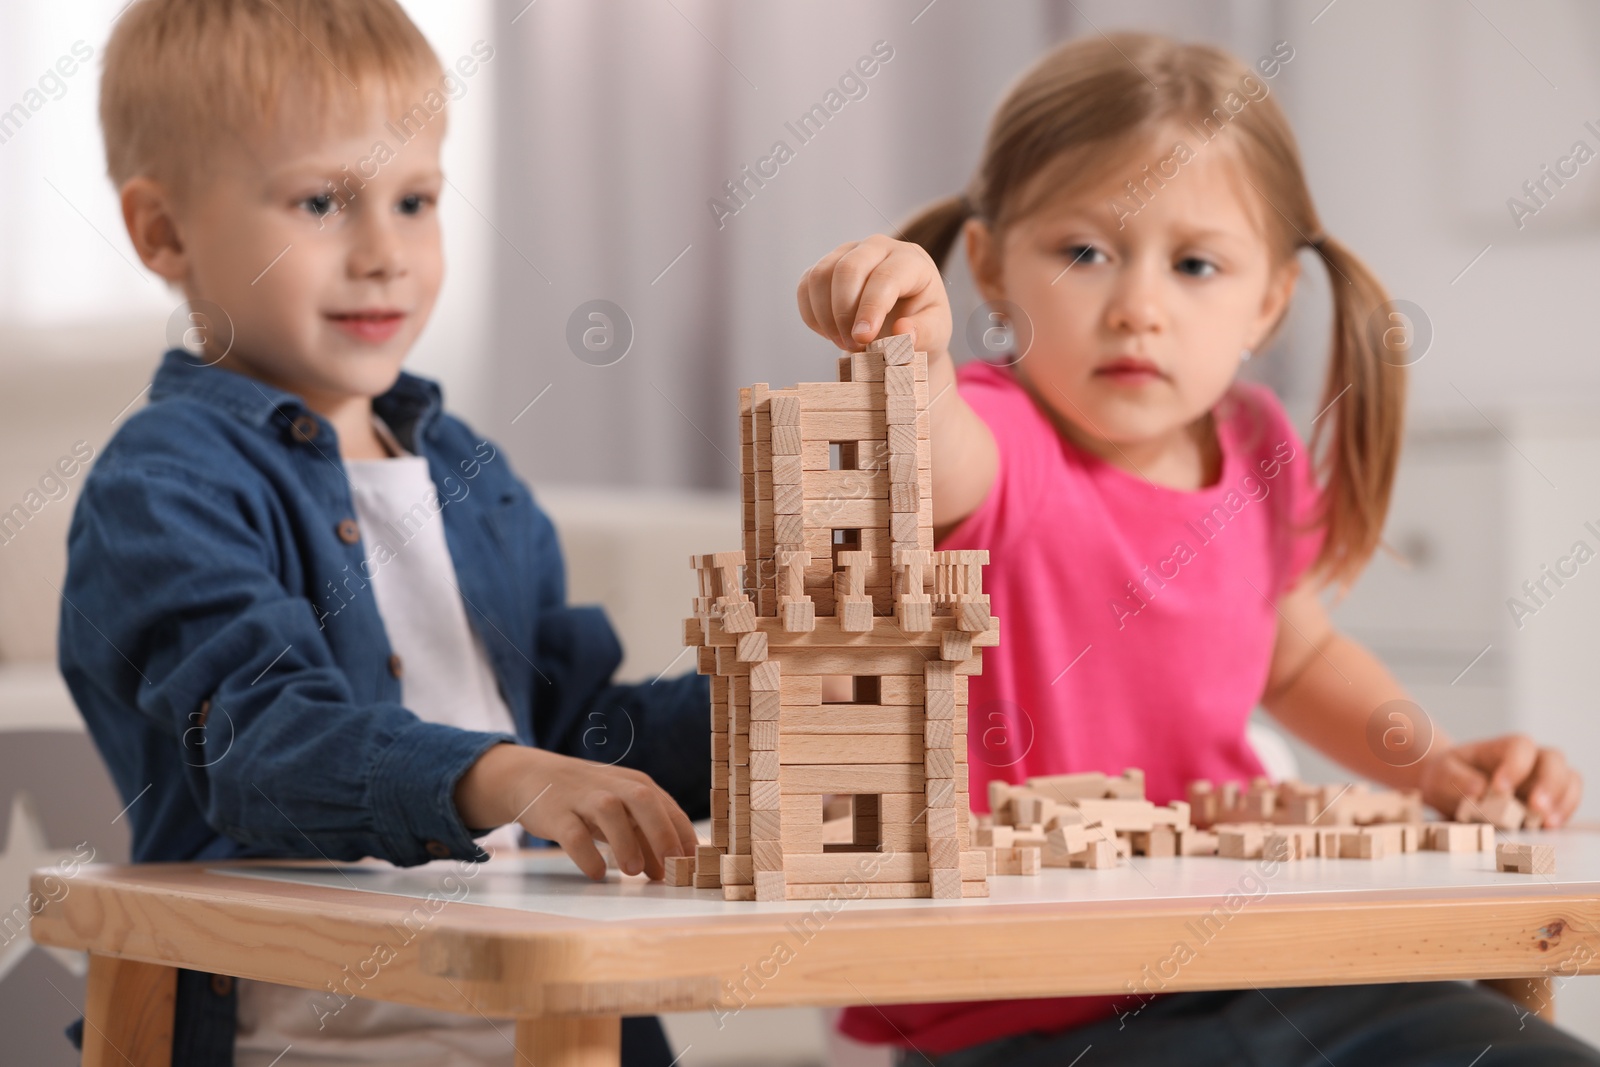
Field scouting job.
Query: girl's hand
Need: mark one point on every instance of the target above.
(1539, 777)
(877, 287)
(575, 802)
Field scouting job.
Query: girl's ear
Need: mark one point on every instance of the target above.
(148, 213)
(983, 259)
(1275, 301)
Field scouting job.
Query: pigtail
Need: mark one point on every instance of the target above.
(1361, 418)
(937, 226)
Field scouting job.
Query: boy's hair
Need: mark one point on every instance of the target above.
(182, 75)
(1084, 109)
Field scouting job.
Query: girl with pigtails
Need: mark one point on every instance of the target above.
(1159, 533)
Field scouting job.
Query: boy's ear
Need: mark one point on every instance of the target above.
(149, 214)
(983, 259)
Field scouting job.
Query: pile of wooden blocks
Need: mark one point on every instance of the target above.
(1094, 820)
(839, 645)
(1080, 820)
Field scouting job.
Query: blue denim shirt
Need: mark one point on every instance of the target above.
(221, 640)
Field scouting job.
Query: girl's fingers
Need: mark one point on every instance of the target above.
(851, 273)
(896, 281)
(1457, 779)
(1571, 796)
(1516, 762)
(1548, 781)
(819, 291)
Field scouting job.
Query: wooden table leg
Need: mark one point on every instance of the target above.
(1534, 995)
(570, 1041)
(128, 1012)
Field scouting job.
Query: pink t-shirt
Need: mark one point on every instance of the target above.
(1137, 631)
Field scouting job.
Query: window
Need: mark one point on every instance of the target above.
(851, 689)
(866, 825)
(843, 456)
(845, 540)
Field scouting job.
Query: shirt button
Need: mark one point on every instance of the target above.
(306, 428)
(397, 666)
(438, 850)
(349, 532)
(222, 984)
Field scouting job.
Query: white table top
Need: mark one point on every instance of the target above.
(547, 882)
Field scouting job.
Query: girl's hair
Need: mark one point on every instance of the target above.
(1082, 110)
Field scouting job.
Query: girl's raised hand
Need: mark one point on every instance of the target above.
(876, 287)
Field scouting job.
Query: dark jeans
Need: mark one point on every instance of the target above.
(1421, 1024)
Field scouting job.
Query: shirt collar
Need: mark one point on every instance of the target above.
(409, 406)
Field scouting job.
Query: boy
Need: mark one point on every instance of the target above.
(306, 612)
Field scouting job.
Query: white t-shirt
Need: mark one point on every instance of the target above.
(445, 677)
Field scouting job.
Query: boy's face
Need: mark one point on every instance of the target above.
(324, 252)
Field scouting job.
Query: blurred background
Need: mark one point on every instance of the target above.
(586, 159)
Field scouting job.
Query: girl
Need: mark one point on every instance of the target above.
(1158, 531)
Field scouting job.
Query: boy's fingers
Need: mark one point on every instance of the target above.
(656, 829)
(610, 817)
(578, 843)
(851, 317)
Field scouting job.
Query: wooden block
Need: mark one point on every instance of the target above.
(784, 410)
(797, 749)
(752, 647)
(764, 766)
(899, 380)
(707, 867)
(955, 645)
(739, 617)
(1240, 842)
(765, 678)
(939, 733)
(768, 795)
(1064, 787)
(764, 736)
(1197, 842)
(1500, 809)
(770, 885)
(993, 836)
(1525, 858)
(941, 822)
(1013, 861)
(914, 616)
(855, 616)
(765, 706)
(799, 616)
(940, 792)
(680, 870)
(896, 349)
(849, 778)
(943, 852)
(945, 883)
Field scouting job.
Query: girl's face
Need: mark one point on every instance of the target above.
(1139, 314)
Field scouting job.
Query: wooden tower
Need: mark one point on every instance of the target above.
(839, 645)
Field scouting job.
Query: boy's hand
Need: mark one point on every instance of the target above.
(1540, 777)
(880, 286)
(575, 802)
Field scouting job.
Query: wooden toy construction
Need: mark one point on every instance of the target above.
(839, 646)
